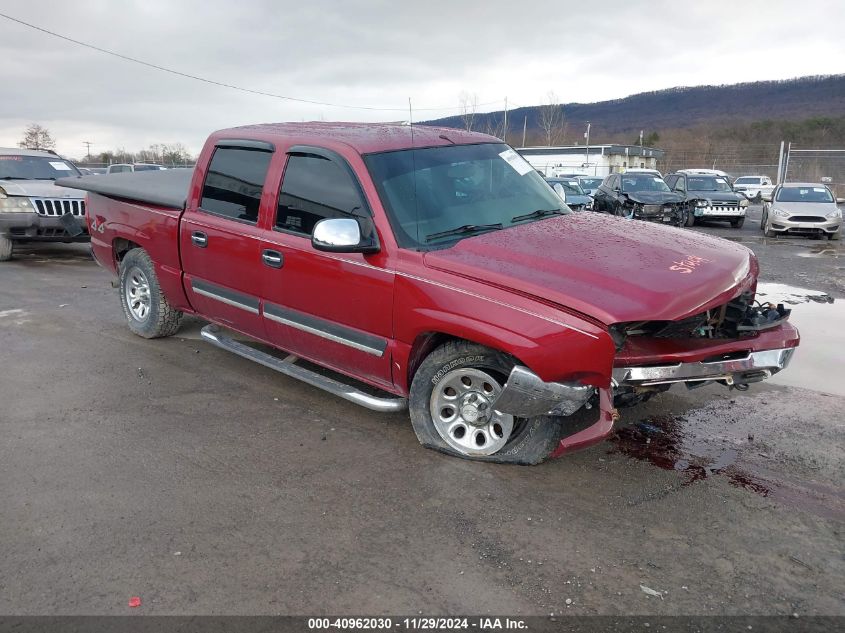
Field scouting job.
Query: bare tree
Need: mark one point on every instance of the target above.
(37, 137)
(551, 119)
(469, 104)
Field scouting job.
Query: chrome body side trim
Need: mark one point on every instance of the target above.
(234, 299)
(367, 343)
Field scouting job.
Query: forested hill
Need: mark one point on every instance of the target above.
(793, 99)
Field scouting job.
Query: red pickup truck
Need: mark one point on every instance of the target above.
(432, 269)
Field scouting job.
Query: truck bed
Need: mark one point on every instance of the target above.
(168, 188)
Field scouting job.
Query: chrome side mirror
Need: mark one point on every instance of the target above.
(344, 235)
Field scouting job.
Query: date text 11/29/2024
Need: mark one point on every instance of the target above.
(420, 623)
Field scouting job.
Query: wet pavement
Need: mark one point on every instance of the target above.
(203, 483)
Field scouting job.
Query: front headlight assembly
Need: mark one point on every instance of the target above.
(780, 213)
(15, 204)
(836, 213)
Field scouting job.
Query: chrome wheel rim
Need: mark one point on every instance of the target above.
(462, 411)
(137, 294)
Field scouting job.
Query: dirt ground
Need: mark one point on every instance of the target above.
(204, 484)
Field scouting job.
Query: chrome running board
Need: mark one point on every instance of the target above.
(287, 366)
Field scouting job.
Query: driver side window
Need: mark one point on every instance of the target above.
(314, 188)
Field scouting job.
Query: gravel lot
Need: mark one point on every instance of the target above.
(205, 484)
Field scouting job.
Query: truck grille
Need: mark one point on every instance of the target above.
(55, 207)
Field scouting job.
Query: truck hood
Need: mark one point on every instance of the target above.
(716, 196)
(576, 199)
(654, 197)
(609, 268)
(38, 189)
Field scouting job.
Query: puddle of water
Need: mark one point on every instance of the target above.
(829, 251)
(818, 362)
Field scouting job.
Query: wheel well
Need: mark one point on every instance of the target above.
(423, 345)
(120, 247)
(427, 342)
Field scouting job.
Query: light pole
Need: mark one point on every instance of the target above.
(87, 145)
(587, 136)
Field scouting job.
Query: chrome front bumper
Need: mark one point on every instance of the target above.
(753, 367)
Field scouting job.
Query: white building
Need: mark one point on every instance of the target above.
(595, 160)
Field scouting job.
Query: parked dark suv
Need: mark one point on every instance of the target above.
(639, 196)
(708, 197)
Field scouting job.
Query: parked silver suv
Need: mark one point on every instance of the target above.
(31, 205)
(800, 208)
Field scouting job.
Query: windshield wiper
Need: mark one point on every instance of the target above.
(539, 213)
(465, 229)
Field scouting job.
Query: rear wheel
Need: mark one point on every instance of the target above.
(5, 248)
(451, 400)
(147, 311)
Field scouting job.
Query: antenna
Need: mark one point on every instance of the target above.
(414, 168)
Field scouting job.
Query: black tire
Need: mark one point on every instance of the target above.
(5, 248)
(770, 233)
(763, 219)
(690, 217)
(161, 319)
(531, 441)
(737, 224)
(833, 236)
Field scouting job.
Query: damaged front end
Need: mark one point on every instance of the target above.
(672, 214)
(737, 343)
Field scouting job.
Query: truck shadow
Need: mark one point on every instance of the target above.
(50, 253)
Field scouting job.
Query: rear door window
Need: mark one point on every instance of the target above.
(234, 183)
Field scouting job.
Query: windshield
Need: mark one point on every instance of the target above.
(147, 168)
(747, 180)
(642, 183)
(569, 186)
(804, 194)
(16, 167)
(707, 183)
(590, 183)
(431, 191)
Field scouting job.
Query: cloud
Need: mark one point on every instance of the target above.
(373, 54)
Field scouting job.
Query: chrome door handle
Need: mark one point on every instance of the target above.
(273, 259)
(199, 239)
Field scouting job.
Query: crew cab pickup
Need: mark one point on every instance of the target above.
(432, 269)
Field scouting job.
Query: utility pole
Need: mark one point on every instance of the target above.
(524, 129)
(505, 132)
(87, 145)
(786, 163)
(587, 136)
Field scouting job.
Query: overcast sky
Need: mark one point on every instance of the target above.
(376, 54)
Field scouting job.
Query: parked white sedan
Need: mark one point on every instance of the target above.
(802, 209)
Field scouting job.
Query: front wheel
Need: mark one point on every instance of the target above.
(451, 408)
(737, 224)
(690, 217)
(147, 311)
